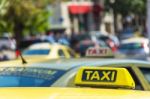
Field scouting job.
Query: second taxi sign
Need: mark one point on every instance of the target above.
(99, 52)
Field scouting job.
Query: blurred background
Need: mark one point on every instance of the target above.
(117, 24)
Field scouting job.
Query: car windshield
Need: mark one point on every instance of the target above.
(130, 46)
(28, 77)
(104, 38)
(36, 52)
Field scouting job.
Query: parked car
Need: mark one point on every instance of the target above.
(83, 78)
(7, 43)
(111, 40)
(7, 48)
(136, 48)
(49, 51)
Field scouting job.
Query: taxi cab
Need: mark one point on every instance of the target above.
(89, 78)
(49, 51)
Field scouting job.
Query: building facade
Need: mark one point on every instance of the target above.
(78, 16)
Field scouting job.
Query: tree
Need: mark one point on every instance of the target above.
(126, 7)
(24, 16)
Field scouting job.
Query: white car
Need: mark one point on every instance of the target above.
(134, 48)
(7, 48)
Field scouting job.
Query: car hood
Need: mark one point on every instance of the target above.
(71, 93)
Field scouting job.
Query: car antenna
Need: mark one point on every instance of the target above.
(23, 60)
(20, 54)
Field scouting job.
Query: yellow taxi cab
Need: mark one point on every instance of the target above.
(49, 51)
(82, 78)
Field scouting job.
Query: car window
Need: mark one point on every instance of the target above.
(130, 46)
(102, 44)
(61, 53)
(36, 52)
(146, 73)
(29, 77)
(138, 85)
(71, 53)
(104, 38)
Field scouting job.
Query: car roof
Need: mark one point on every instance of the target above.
(44, 45)
(135, 40)
(71, 93)
(66, 64)
(73, 63)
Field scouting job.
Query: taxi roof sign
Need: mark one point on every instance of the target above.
(104, 77)
(99, 52)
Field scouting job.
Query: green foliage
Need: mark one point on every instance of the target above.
(128, 6)
(26, 15)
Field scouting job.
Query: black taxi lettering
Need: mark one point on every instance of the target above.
(97, 51)
(99, 75)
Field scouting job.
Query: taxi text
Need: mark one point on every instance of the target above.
(96, 51)
(99, 75)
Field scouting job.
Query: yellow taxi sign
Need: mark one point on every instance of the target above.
(99, 52)
(104, 77)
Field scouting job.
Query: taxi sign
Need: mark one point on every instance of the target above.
(100, 76)
(99, 52)
(104, 77)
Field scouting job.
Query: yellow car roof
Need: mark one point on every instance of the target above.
(71, 93)
(45, 45)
